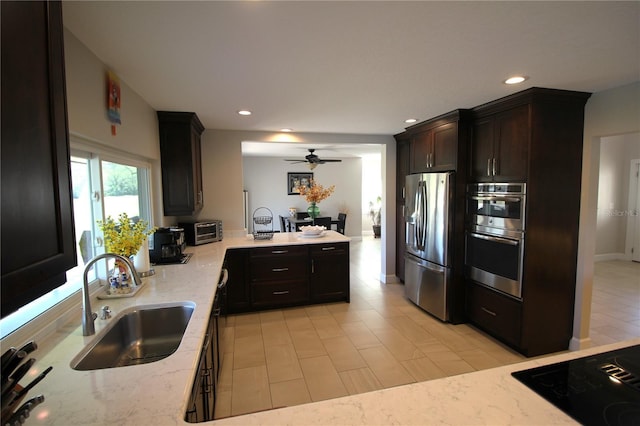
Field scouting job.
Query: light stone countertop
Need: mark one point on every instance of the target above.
(157, 393)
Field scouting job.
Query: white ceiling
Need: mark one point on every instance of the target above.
(353, 66)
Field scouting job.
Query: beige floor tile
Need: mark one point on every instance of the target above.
(411, 330)
(297, 312)
(385, 367)
(223, 405)
(248, 330)
(422, 369)
(251, 390)
(293, 392)
(401, 347)
(225, 380)
(246, 319)
(299, 323)
(344, 317)
(479, 359)
(275, 333)
(447, 355)
(454, 367)
(322, 378)
(343, 354)
(270, 316)
(282, 363)
(327, 326)
(307, 343)
(373, 319)
(317, 311)
(360, 380)
(248, 352)
(360, 335)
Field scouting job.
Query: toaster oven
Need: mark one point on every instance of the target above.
(202, 231)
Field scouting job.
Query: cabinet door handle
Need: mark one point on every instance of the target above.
(494, 166)
(279, 269)
(493, 314)
(278, 293)
(279, 251)
(488, 166)
(328, 248)
(199, 197)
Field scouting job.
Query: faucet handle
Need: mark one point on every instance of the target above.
(105, 313)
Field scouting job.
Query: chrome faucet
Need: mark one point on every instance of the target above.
(88, 316)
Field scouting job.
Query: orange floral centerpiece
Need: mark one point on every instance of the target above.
(315, 193)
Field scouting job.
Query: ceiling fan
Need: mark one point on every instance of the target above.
(313, 160)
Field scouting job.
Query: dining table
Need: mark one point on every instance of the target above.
(294, 224)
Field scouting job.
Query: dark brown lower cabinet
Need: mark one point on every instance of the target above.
(281, 276)
(329, 279)
(494, 312)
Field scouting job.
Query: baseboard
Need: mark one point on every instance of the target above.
(609, 256)
(389, 279)
(576, 344)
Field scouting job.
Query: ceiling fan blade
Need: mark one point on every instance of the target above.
(330, 161)
(295, 161)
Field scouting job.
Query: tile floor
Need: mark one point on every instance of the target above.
(615, 308)
(294, 356)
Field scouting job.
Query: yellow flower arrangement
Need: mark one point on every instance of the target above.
(316, 192)
(124, 238)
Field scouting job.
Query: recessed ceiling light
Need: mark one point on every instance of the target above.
(287, 130)
(516, 79)
(244, 112)
(410, 120)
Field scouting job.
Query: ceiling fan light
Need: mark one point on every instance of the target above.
(312, 166)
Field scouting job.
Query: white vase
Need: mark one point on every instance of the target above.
(141, 260)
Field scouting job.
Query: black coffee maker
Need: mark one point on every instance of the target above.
(166, 245)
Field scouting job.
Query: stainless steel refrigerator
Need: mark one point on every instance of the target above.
(428, 214)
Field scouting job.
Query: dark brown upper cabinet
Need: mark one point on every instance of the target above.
(500, 147)
(180, 155)
(38, 239)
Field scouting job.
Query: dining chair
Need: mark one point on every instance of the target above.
(323, 221)
(342, 220)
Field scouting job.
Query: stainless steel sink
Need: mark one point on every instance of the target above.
(138, 335)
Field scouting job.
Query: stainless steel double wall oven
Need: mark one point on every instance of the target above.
(495, 236)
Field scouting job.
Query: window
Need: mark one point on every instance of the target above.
(103, 185)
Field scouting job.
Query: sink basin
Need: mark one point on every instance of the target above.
(138, 335)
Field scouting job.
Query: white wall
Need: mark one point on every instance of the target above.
(266, 180)
(610, 112)
(87, 114)
(616, 154)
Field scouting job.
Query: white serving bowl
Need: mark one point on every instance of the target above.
(312, 230)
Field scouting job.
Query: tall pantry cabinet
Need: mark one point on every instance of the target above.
(534, 136)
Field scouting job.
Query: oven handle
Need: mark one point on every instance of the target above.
(495, 198)
(495, 239)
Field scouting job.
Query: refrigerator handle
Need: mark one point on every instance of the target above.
(418, 218)
(422, 215)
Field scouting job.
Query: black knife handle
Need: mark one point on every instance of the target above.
(13, 362)
(29, 347)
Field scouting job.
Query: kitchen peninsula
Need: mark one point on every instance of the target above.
(157, 393)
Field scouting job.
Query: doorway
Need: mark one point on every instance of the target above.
(616, 293)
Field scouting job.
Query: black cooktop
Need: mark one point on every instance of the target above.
(602, 389)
